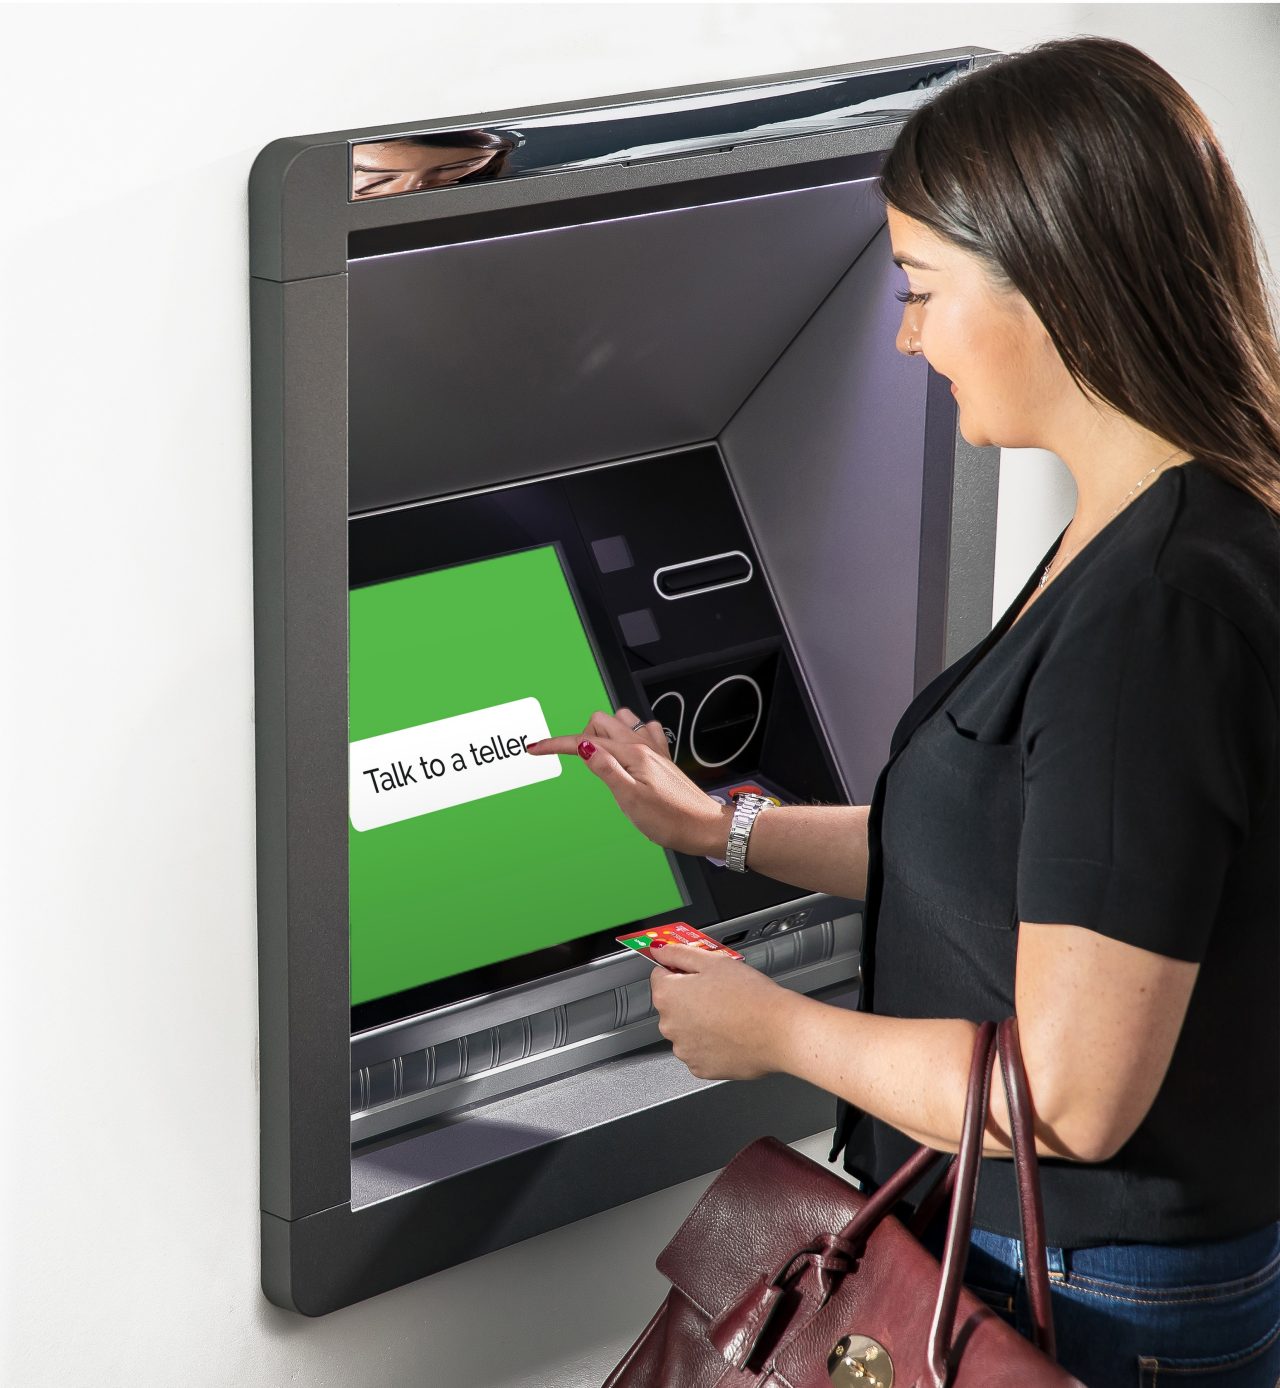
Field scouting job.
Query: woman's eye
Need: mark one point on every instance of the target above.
(904, 296)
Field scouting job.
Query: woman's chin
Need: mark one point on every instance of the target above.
(972, 435)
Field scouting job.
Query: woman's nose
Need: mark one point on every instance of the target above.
(905, 341)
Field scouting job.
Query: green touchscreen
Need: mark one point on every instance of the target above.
(464, 850)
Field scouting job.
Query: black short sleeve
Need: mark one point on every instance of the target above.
(1149, 742)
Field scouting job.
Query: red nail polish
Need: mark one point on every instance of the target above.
(537, 742)
(586, 750)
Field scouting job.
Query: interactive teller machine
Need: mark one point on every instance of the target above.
(555, 411)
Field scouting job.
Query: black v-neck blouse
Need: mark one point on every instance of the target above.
(1110, 761)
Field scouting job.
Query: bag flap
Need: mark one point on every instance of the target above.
(767, 1204)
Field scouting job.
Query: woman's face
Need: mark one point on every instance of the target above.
(384, 168)
(1008, 379)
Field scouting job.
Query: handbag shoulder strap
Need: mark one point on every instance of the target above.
(991, 1040)
(960, 1220)
(1027, 1168)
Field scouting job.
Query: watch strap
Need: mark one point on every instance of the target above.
(745, 809)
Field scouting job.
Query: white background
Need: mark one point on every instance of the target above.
(130, 1250)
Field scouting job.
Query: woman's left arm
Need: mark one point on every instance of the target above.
(1097, 1018)
(1150, 744)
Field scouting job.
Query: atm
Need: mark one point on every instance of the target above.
(561, 409)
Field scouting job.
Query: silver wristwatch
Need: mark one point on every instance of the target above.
(745, 808)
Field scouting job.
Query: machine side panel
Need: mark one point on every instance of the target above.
(266, 333)
(298, 209)
(971, 563)
(300, 536)
(827, 458)
(936, 502)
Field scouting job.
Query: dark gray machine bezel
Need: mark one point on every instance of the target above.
(318, 1252)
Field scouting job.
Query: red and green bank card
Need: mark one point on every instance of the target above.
(650, 942)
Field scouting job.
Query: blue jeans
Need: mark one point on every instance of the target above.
(1149, 1315)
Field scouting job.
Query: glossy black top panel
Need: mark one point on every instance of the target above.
(305, 204)
(666, 127)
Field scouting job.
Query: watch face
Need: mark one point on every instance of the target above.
(748, 793)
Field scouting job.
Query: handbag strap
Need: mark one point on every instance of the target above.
(1027, 1168)
(747, 1322)
(886, 1196)
(960, 1221)
(988, 1042)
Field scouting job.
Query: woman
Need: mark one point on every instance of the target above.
(1078, 820)
(412, 163)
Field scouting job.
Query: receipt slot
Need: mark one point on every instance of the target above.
(560, 409)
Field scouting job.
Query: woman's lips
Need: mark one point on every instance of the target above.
(953, 388)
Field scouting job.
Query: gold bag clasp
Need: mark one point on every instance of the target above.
(858, 1361)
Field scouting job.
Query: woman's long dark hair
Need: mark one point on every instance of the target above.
(1087, 179)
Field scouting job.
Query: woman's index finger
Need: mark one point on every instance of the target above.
(565, 746)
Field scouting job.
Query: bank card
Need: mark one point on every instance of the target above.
(750, 788)
(650, 942)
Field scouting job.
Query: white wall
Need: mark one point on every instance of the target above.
(131, 1243)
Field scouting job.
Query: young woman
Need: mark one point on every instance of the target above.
(1080, 819)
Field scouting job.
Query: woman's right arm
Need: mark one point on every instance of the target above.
(822, 848)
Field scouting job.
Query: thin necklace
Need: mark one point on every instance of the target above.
(1044, 577)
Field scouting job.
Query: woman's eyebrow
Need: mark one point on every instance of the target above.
(901, 260)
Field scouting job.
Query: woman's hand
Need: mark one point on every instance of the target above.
(720, 1014)
(653, 793)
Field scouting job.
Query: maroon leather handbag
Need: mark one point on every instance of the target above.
(785, 1275)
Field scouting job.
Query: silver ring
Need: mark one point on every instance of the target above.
(638, 726)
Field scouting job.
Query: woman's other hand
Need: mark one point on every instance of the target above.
(655, 795)
(720, 1015)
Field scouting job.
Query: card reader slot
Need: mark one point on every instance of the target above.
(705, 575)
